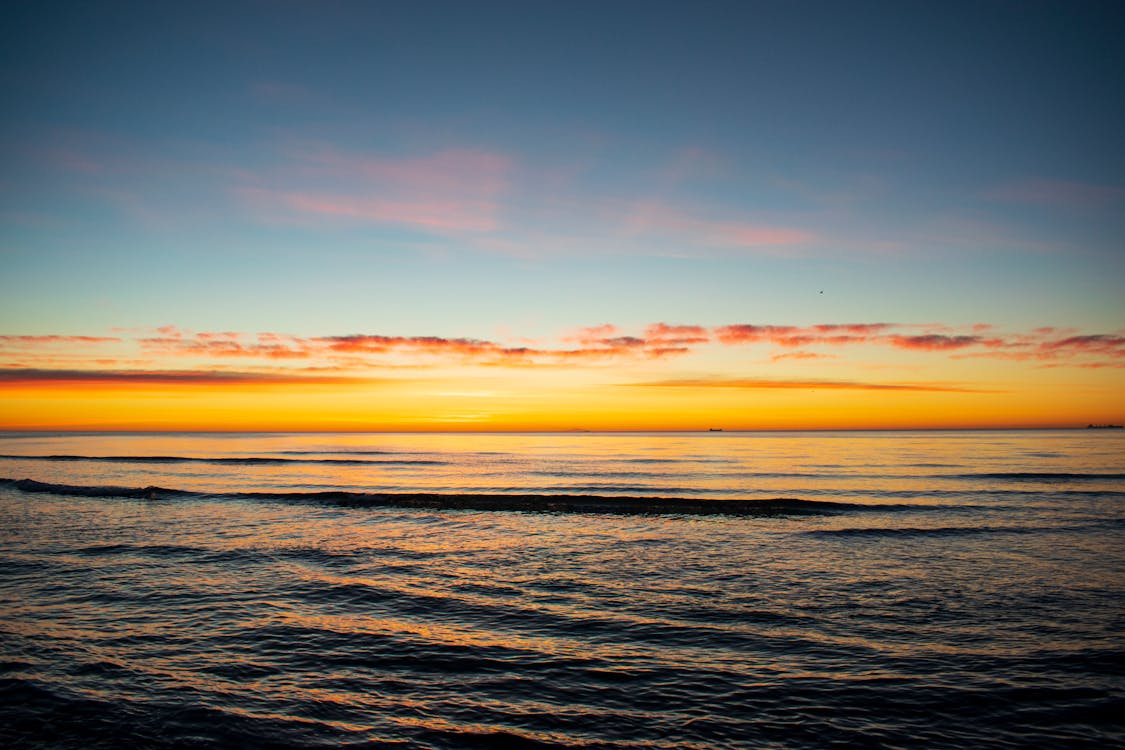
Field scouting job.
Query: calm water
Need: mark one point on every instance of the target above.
(897, 590)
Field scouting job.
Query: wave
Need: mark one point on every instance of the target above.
(684, 460)
(522, 501)
(938, 531)
(223, 460)
(923, 532)
(1034, 475)
(336, 453)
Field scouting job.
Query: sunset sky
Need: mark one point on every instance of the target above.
(554, 216)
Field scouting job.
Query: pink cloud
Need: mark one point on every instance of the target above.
(73, 161)
(801, 355)
(650, 218)
(1103, 344)
(932, 342)
(601, 344)
(859, 329)
(184, 344)
(224, 336)
(170, 332)
(55, 339)
(750, 334)
(448, 170)
(447, 216)
(745, 235)
(677, 335)
(372, 344)
(450, 191)
(592, 334)
(1041, 343)
(829, 333)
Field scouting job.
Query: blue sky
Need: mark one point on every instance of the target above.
(965, 150)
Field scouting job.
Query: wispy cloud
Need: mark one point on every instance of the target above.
(827, 333)
(53, 339)
(591, 345)
(604, 344)
(657, 219)
(981, 340)
(801, 355)
(457, 190)
(1047, 345)
(677, 335)
(36, 376)
(933, 342)
(804, 385)
(1058, 194)
(452, 215)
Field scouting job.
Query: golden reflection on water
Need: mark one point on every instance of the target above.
(873, 468)
(374, 620)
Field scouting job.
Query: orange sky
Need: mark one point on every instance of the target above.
(742, 377)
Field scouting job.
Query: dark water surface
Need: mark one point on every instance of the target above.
(896, 590)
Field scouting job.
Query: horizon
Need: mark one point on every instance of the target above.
(574, 431)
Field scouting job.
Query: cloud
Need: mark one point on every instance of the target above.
(1104, 344)
(745, 333)
(374, 344)
(660, 340)
(674, 335)
(1045, 343)
(369, 349)
(456, 190)
(1050, 344)
(933, 342)
(442, 216)
(658, 219)
(55, 339)
(34, 376)
(862, 329)
(1058, 194)
(827, 333)
(74, 161)
(767, 384)
(591, 334)
(801, 355)
(593, 345)
(185, 344)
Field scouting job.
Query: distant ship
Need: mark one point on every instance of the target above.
(715, 429)
(1104, 427)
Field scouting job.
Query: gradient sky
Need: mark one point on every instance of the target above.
(618, 215)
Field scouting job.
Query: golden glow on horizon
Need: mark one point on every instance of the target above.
(745, 379)
(540, 404)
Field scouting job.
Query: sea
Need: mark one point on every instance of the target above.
(580, 590)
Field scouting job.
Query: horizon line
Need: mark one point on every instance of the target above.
(574, 431)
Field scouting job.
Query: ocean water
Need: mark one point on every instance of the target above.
(712, 590)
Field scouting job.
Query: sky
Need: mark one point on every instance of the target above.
(561, 216)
